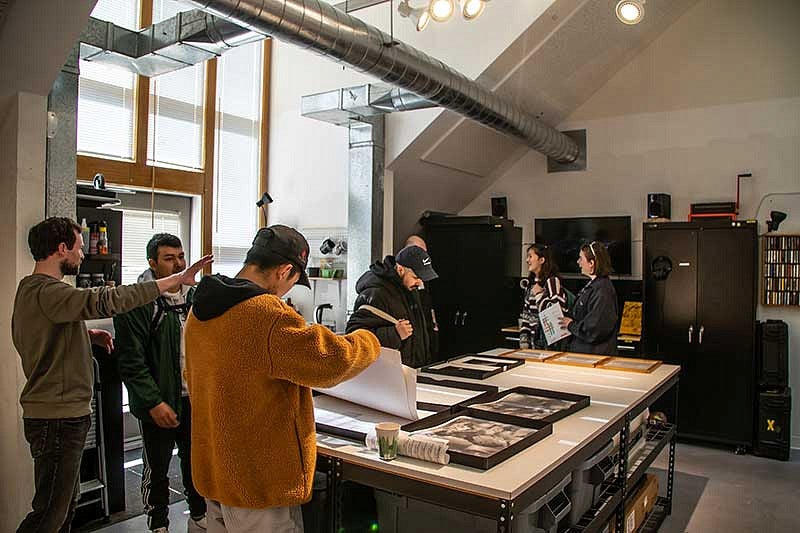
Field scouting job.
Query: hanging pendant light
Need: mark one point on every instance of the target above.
(420, 16)
(441, 10)
(472, 9)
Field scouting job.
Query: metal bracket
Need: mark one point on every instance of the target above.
(505, 517)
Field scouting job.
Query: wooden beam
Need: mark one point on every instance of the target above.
(209, 127)
(142, 110)
(265, 93)
(133, 175)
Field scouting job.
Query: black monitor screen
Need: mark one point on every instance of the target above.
(566, 235)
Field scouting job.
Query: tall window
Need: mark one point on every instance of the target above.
(106, 94)
(236, 166)
(175, 124)
(136, 233)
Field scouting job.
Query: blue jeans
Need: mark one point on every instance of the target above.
(56, 446)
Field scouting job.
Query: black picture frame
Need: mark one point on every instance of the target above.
(580, 401)
(542, 431)
(471, 373)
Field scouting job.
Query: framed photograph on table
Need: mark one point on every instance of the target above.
(630, 364)
(481, 440)
(473, 366)
(578, 359)
(535, 404)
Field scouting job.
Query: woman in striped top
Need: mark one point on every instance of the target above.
(542, 289)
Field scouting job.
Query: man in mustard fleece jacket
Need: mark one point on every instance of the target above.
(250, 364)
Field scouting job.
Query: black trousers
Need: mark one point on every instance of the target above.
(156, 455)
(56, 446)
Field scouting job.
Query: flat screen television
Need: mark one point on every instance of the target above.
(566, 235)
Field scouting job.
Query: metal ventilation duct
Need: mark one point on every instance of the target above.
(343, 106)
(320, 27)
(186, 39)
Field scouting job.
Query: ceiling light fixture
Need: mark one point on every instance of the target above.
(630, 11)
(472, 9)
(441, 10)
(420, 16)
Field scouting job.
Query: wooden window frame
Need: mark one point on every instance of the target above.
(138, 174)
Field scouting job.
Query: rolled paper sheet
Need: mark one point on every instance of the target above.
(424, 448)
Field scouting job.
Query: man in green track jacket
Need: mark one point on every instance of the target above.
(151, 359)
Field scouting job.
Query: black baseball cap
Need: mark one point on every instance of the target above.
(286, 243)
(418, 260)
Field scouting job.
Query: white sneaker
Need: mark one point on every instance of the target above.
(196, 526)
(160, 530)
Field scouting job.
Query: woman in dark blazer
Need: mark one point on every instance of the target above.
(594, 315)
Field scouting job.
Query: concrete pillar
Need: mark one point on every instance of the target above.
(23, 118)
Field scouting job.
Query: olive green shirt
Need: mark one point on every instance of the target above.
(50, 335)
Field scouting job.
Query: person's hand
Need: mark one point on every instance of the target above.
(186, 277)
(404, 329)
(537, 289)
(164, 417)
(102, 338)
(564, 322)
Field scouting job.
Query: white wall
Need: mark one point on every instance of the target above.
(308, 158)
(715, 95)
(22, 163)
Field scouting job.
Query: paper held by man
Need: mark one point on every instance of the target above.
(385, 392)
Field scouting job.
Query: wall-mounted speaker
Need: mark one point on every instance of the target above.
(500, 207)
(658, 205)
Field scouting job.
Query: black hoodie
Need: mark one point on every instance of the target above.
(381, 287)
(216, 294)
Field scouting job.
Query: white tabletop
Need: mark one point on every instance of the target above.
(612, 394)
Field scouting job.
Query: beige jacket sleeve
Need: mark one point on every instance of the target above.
(62, 302)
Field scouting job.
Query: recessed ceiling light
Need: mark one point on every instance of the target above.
(630, 11)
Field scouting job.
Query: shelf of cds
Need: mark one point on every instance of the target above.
(781, 270)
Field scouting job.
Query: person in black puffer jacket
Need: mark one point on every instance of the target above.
(388, 286)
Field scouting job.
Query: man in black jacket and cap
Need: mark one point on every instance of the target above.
(387, 286)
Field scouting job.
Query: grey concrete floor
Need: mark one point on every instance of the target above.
(715, 491)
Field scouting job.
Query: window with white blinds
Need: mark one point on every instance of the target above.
(106, 95)
(236, 165)
(175, 123)
(137, 230)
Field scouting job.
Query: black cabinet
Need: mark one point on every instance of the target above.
(478, 260)
(699, 312)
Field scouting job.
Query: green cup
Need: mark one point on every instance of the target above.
(388, 434)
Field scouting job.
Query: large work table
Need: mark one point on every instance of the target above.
(616, 398)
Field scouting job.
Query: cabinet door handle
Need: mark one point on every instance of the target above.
(463, 318)
(455, 322)
(700, 335)
(691, 332)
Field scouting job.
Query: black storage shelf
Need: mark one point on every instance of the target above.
(656, 517)
(596, 518)
(657, 437)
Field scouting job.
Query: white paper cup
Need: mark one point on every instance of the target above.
(388, 434)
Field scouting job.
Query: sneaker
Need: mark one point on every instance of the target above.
(197, 525)
(160, 530)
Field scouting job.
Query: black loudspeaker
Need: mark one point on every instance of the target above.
(773, 432)
(658, 205)
(773, 354)
(500, 207)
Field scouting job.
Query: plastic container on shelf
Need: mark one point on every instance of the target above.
(85, 236)
(398, 514)
(586, 480)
